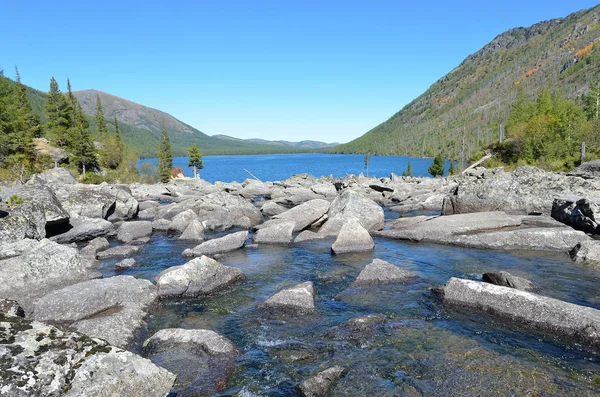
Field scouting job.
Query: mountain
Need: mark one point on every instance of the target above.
(141, 126)
(467, 108)
(302, 144)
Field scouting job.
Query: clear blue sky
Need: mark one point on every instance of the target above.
(322, 70)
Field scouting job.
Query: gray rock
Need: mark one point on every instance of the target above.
(40, 268)
(125, 264)
(304, 214)
(308, 235)
(277, 232)
(364, 323)
(181, 221)
(149, 213)
(58, 176)
(270, 208)
(505, 279)
(11, 308)
(320, 384)
(120, 251)
(141, 241)
(253, 188)
(382, 272)
(326, 189)
(348, 205)
(161, 224)
(110, 202)
(17, 248)
(193, 232)
(587, 253)
(148, 204)
(130, 231)
(97, 244)
(578, 212)
(198, 277)
(42, 360)
(353, 237)
(294, 195)
(221, 211)
(565, 320)
(205, 340)
(84, 229)
(111, 308)
(587, 170)
(226, 243)
(297, 300)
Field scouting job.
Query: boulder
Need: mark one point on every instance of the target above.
(221, 211)
(381, 272)
(111, 202)
(44, 148)
(276, 232)
(41, 267)
(304, 214)
(353, 237)
(193, 232)
(58, 176)
(578, 212)
(125, 264)
(587, 252)
(505, 279)
(97, 244)
(198, 277)
(270, 208)
(130, 231)
(110, 308)
(294, 195)
(120, 251)
(43, 360)
(587, 170)
(297, 300)
(566, 320)
(348, 205)
(325, 189)
(226, 243)
(308, 235)
(181, 221)
(205, 340)
(83, 228)
(253, 188)
(320, 384)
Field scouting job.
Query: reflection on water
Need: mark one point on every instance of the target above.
(420, 349)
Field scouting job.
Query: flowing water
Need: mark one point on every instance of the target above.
(422, 348)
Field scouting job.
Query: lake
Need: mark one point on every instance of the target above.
(274, 167)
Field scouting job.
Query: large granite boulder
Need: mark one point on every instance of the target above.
(134, 230)
(111, 202)
(525, 190)
(37, 268)
(181, 221)
(587, 170)
(58, 176)
(304, 214)
(198, 277)
(381, 272)
(505, 279)
(221, 211)
(587, 253)
(119, 251)
(351, 204)
(297, 300)
(193, 232)
(566, 320)
(275, 232)
(578, 212)
(82, 228)
(43, 360)
(227, 243)
(353, 237)
(111, 308)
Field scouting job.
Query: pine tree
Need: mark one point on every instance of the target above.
(83, 152)
(59, 116)
(195, 160)
(437, 167)
(165, 158)
(26, 126)
(452, 169)
(409, 170)
(101, 127)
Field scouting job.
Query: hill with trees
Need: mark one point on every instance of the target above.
(470, 108)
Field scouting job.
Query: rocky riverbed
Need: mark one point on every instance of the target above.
(307, 286)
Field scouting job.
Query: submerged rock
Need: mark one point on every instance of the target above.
(382, 272)
(205, 340)
(125, 264)
(198, 277)
(353, 237)
(297, 300)
(219, 245)
(505, 279)
(320, 384)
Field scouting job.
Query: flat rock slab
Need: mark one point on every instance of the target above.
(199, 277)
(208, 341)
(277, 232)
(305, 214)
(226, 243)
(130, 231)
(381, 272)
(320, 384)
(120, 251)
(353, 237)
(297, 300)
(84, 229)
(505, 279)
(565, 320)
(111, 308)
(43, 360)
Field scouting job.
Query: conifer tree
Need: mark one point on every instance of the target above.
(409, 170)
(25, 127)
(101, 127)
(59, 116)
(165, 158)
(195, 160)
(83, 152)
(452, 169)
(437, 167)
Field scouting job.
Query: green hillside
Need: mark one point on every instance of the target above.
(468, 108)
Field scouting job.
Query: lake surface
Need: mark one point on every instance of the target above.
(276, 167)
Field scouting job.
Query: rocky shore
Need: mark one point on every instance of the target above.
(57, 308)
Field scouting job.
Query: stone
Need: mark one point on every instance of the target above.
(97, 244)
(297, 300)
(58, 176)
(181, 221)
(41, 267)
(270, 208)
(125, 264)
(43, 360)
(111, 202)
(84, 229)
(308, 235)
(110, 308)
(350, 204)
(277, 232)
(208, 341)
(130, 231)
(221, 211)
(193, 232)
(353, 237)
(578, 212)
(120, 251)
(11, 308)
(568, 321)
(587, 170)
(381, 272)
(304, 214)
(161, 224)
(364, 323)
(325, 189)
(320, 384)
(587, 253)
(199, 277)
(226, 243)
(505, 279)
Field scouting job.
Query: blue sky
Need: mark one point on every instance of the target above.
(294, 70)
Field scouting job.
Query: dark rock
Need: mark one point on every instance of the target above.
(381, 188)
(198, 277)
(11, 308)
(505, 279)
(364, 323)
(130, 231)
(577, 212)
(589, 169)
(226, 243)
(320, 384)
(381, 272)
(297, 300)
(353, 237)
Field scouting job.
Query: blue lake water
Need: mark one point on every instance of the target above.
(274, 167)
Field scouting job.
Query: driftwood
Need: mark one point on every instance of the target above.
(252, 175)
(481, 160)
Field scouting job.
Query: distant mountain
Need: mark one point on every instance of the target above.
(301, 144)
(467, 108)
